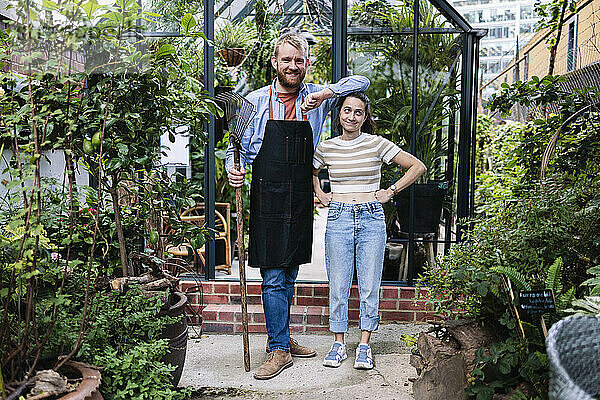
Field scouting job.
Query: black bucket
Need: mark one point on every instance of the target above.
(177, 333)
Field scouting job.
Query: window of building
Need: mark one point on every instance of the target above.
(572, 44)
(526, 12)
(526, 67)
(493, 68)
(526, 28)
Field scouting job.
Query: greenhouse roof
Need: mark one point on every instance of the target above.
(318, 14)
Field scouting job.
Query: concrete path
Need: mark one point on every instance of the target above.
(214, 368)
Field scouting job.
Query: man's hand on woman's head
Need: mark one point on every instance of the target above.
(314, 100)
(235, 177)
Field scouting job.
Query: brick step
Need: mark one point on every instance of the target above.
(227, 318)
(219, 303)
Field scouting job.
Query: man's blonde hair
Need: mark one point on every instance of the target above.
(294, 39)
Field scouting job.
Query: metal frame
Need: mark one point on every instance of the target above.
(340, 31)
(209, 149)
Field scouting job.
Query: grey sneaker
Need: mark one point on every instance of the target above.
(364, 357)
(336, 355)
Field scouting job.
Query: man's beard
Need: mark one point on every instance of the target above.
(285, 82)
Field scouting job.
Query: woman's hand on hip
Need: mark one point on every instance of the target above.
(325, 198)
(384, 195)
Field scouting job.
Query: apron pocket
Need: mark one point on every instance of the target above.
(296, 149)
(275, 199)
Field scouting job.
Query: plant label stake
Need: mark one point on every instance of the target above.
(238, 114)
(538, 302)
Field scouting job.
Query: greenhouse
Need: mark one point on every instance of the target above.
(164, 211)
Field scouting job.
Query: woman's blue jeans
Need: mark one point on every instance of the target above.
(355, 235)
(277, 297)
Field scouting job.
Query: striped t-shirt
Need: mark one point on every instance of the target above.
(354, 165)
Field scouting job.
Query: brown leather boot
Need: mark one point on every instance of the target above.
(301, 351)
(277, 361)
(296, 350)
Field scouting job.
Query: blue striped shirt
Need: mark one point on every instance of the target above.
(253, 136)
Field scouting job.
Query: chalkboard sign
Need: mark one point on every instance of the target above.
(537, 301)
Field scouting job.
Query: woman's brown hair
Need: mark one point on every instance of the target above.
(369, 125)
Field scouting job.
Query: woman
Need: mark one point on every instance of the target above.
(355, 233)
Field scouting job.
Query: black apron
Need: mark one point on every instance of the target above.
(281, 195)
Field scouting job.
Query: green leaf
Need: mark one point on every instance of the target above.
(485, 393)
(164, 51)
(594, 270)
(90, 8)
(554, 276)
(504, 367)
(50, 4)
(188, 22)
(482, 289)
(123, 149)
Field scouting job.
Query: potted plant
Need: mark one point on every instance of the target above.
(233, 40)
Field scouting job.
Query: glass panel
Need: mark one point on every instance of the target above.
(431, 17)
(437, 118)
(170, 13)
(386, 59)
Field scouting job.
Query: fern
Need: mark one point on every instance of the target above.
(554, 276)
(589, 305)
(565, 299)
(593, 283)
(495, 290)
(517, 278)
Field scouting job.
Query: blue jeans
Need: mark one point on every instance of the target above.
(277, 297)
(355, 235)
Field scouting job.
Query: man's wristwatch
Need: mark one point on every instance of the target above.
(393, 188)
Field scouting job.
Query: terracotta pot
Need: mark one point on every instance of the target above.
(232, 57)
(89, 385)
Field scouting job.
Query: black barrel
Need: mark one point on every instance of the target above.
(177, 333)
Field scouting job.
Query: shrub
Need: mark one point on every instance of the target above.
(123, 339)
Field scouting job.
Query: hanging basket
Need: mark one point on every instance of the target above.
(232, 57)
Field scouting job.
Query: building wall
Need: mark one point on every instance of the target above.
(505, 20)
(534, 57)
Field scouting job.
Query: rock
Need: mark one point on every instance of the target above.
(441, 368)
(443, 380)
(443, 365)
(50, 382)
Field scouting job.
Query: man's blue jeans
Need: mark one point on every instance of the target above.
(355, 235)
(277, 297)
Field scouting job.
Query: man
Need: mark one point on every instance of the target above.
(279, 143)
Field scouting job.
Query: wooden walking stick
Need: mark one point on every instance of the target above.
(239, 207)
(239, 113)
